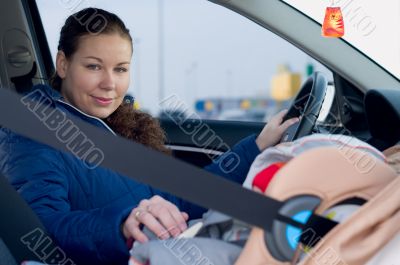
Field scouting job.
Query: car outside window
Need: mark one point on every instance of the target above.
(369, 26)
(215, 63)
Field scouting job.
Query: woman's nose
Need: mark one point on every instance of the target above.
(108, 80)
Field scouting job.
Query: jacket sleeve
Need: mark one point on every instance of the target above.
(235, 163)
(232, 165)
(86, 236)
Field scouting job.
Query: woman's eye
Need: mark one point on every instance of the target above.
(121, 69)
(93, 67)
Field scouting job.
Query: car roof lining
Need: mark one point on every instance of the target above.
(306, 35)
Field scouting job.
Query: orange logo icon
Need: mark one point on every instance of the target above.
(333, 23)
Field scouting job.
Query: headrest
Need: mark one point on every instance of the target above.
(382, 110)
(331, 174)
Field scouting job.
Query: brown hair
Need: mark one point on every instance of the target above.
(125, 121)
(138, 126)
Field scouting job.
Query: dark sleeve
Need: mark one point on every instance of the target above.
(86, 236)
(235, 163)
(232, 165)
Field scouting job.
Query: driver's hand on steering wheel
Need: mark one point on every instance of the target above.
(273, 131)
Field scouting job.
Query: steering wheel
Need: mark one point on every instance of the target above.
(306, 105)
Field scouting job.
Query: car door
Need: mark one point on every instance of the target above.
(22, 57)
(199, 141)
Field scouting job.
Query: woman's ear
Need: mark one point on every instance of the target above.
(61, 64)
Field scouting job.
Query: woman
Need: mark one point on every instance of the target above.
(91, 213)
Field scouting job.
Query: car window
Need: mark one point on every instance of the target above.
(214, 63)
(370, 28)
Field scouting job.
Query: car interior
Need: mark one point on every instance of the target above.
(365, 104)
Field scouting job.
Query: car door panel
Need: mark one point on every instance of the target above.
(18, 55)
(209, 139)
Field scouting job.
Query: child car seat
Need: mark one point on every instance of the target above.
(320, 181)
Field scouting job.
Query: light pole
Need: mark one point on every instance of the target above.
(161, 50)
(190, 84)
(229, 83)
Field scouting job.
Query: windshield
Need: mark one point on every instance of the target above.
(371, 26)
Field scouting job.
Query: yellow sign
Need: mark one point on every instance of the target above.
(285, 84)
(245, 104)
(209, 106)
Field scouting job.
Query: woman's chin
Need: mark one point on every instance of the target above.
(101, 113)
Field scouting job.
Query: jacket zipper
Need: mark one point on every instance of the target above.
(89, 116)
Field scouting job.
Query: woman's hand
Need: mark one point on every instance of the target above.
(159, 215)
(273, 131)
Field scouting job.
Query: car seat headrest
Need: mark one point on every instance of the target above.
(382, 109)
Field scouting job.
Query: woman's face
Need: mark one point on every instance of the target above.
(96, 77)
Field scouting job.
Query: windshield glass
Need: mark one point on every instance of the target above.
(370, 26)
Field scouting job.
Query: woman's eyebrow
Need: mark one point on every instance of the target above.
(100, 60)
(124, 63)
(92, 57)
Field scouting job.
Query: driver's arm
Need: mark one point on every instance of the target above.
(235, 164)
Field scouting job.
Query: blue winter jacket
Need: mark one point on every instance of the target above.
(83, 208)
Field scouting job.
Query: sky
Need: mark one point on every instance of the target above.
(208, 50)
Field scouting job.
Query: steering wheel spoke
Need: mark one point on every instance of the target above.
(307, 105)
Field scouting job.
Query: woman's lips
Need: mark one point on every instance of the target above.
(103, 101)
